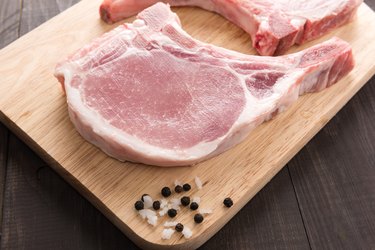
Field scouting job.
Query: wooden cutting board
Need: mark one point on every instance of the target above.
(33, 106)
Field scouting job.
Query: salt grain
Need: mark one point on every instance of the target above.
(187, 232)
(198, 182)
(163, 211)
(196, 199)
(150, 215)
(177, 183)
(205, 211)
(170, 223)
(175, 204)
(167, 233)
(152, 220)
(163, 203)
(147, 201)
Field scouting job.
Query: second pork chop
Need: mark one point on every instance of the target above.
(274, 25)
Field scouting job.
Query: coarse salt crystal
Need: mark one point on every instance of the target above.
(147, 200)
(147, 213)
(198, 182)
(175, 204)
(170, 223)
(177, 183)
(187, 232)
(196, 199)
(205, 211)
(150, 215)
(163, 203)
(152, 220)
(143, 213)
(163, 211)
(167, 233)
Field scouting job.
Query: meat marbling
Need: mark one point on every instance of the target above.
(274, 25)
(148, 92)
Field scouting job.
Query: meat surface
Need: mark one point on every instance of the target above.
(274, 25)
(148, 92)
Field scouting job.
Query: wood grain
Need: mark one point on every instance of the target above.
(334, 178)
(104, 180)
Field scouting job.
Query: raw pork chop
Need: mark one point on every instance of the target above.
(274, 25)
(148, 92)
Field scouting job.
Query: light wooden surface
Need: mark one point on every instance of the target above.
(40, 111)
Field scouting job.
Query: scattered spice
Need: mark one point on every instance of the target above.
(205, 211)
(178, 189)
(228, 202)
(177, 182)
(151, 216)
(198, 182)
(143, 196)
(170, 224)
(198, 218)
(185, 201)
(167, 233)
(175, 203)
(166, 191)
(179, 227)
(172, 212)
(139, 205)
(156, 205)
(187, 232)
(163, 203)
(147, 200)
(197, 199)
(186, 187)
(194, 206)
(163, 211)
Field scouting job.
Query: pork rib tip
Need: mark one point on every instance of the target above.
(148, 92)
(274, 25)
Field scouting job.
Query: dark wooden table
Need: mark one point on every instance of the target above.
(323, 199)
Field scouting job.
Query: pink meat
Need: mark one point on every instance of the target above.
(148, 92)
(274, 25)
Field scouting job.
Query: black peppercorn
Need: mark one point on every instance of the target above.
(138, 205)
(186, 187)
(185, 201)
(228, 202)
(194, 206)
(198, 218)
(166, 191)
(179, 227)
(172, 213)
(143, 195)
(178, 189)
(156, 205)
